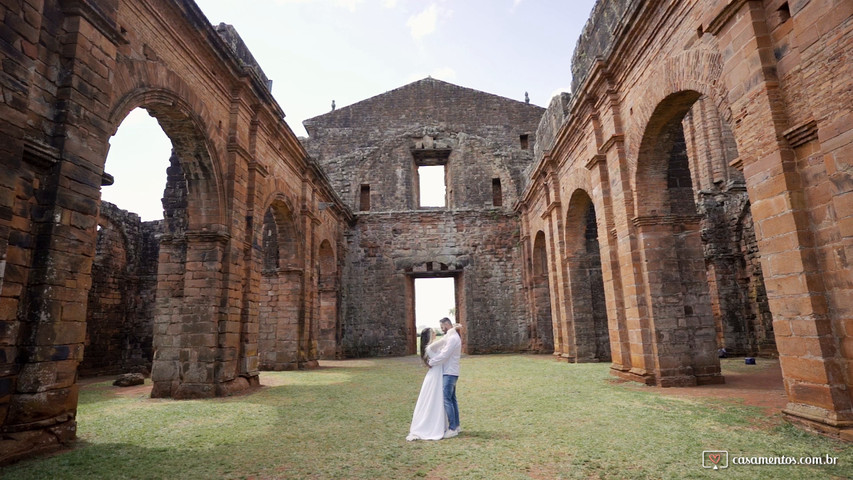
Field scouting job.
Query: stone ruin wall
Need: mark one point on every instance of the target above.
(120, 310)
(71, 72)
(748, 97)
(789, 148)
(378, 143)
(389, 249)
(739, 298)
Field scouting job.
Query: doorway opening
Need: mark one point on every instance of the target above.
(431, 297)
(435, 298)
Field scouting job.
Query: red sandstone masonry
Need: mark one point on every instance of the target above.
(775, 83)
(110, 60)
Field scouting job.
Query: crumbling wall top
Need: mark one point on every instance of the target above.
(229, 35)
(607, 19)
(554, 117)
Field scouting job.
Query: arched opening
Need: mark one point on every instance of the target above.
(188, 346)
(329, 325)
(669, 231)
(690, 204)
(755, 337)
(541, 330)
(738, 297)
(588, 305)
(121, 300)
(282, 330)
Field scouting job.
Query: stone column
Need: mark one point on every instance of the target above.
(185, 358)
(814, 362)
(64, 195)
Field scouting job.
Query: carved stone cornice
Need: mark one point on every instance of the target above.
(737, 163)
(551, 207)
(595, 160)
(666, 220)
(259, 168)
(206, 236)
(723, 16)
(801, 134)
(613, 140)
(40, 155)
(235, 147)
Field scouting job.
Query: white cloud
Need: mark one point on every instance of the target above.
(447, 74)
(444, 73)
(349, 4)
(423, 23)
(389, 3)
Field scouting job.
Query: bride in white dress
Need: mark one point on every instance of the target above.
(430, 419)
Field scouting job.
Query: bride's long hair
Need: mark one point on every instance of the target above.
(426, 336)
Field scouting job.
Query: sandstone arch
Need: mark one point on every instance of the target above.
(231, 147)
(283, 332)
(541, 330)
(591, 333)
(328, 322)
(668, 230)
(725, 80)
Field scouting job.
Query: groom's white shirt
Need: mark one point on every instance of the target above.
(449, 355)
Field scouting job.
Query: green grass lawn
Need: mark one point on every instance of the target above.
(522, 417)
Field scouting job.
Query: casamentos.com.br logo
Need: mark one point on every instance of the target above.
(715, 459)
(719, 459)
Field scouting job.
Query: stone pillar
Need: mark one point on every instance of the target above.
(613, 294)
(814, 363)
(41, 387)
(626, 257)
(556, 268)
(185, 358)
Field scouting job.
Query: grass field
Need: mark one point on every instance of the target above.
(522, 417)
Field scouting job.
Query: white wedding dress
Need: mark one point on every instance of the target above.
(430, 419)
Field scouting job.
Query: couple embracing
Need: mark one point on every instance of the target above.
(437, 412)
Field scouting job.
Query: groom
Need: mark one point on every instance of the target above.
(448, 358)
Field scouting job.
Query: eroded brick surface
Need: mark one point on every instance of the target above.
(120, 309)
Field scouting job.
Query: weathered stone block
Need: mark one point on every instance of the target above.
(34, 407)
(129, 380)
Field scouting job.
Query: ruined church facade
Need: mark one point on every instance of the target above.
(373, 152)
(692, 193)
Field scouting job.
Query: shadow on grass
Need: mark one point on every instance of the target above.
(120, 461)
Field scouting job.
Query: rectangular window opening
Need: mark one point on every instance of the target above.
(497, 193)
(525, 141)
(432, 187)
(364, 199)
